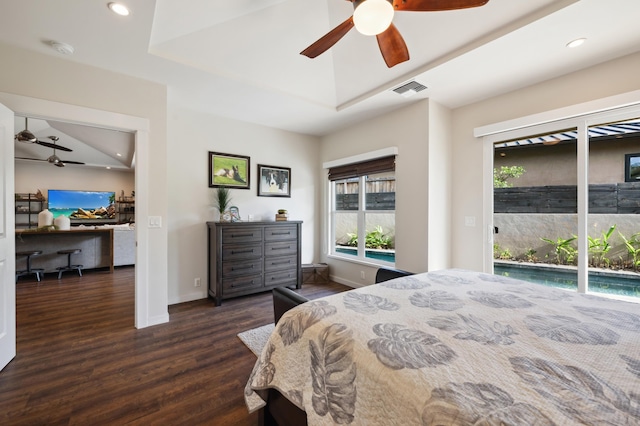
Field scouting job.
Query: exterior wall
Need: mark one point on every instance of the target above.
(521, 232)
(557, 164)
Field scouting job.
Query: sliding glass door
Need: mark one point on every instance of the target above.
(565, 203)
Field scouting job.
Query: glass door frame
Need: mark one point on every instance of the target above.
(580, 117)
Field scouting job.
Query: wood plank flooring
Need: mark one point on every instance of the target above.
(80, 361)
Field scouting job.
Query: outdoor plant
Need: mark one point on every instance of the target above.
(374, 239)
(499, 253)
(633, 248)
(530, 255)
(599, 247)
(501, 175)
(565, 252)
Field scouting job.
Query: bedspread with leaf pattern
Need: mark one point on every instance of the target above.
(456, 347)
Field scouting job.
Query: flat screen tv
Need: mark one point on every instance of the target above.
(83, 206)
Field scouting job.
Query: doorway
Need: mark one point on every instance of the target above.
(32, 107)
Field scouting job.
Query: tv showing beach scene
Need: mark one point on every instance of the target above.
(81, 206)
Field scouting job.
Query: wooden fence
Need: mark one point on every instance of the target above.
(617, 198)
(380, 194)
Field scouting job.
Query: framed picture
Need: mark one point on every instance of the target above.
(274, 181)
(632, 167)
(228, 170)
(235, 214)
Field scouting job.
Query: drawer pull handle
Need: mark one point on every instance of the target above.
(286, 262)
(242, 235)
(281, 248)
(275, 278)
(242, 284)
(242, 251)
(234, 268)
(281, 233)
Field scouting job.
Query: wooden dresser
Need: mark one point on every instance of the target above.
(251, 257)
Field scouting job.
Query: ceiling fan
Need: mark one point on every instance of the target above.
(53, 159)
(28, 137)
(373, 17)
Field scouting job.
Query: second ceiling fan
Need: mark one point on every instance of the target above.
(373, 17)
(53, 159)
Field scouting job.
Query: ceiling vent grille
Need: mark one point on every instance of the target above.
(410, 88)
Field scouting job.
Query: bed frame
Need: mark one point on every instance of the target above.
(279, 411)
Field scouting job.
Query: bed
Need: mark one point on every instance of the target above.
(455, 347)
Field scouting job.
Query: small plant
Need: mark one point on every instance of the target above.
(505, 254)
(222, 199)
(633, 248)
(530, 255)
(599, 247)
(564, 251)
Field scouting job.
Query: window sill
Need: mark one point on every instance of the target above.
(360, 261)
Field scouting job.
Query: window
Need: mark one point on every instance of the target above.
(363, 209)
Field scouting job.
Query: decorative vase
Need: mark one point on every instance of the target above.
(62, 222)
(45, 218)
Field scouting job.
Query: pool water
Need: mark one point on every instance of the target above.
(620, 284)
(371, 254)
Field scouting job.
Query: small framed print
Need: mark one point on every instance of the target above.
(235, 214)
(274, 181)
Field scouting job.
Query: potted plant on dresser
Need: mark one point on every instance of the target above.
(221, 201)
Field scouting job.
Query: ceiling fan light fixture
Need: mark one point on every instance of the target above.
(373, 17)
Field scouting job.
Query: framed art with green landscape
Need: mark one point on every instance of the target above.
(228, 170)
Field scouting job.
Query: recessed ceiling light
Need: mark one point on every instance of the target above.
(108, 167)
(577, 42)
(119, 8)
(118, 154)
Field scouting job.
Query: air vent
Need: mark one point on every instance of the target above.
(410, 88)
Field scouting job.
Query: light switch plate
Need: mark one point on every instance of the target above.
(155, 221)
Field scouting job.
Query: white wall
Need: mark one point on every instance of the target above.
(192, 136)
(30, 177)
(50, 78)
(607, 79)
(408, 130)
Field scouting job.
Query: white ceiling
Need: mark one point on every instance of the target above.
(241, 59)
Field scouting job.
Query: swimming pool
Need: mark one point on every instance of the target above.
(625, 284)
(387, 256)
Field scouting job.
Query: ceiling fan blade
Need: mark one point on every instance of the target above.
(328, 40)
(54, 146)
(435, 5)
(31, 159)
(392, 46)
(71, 162)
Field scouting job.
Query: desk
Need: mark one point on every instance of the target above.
(96, 246)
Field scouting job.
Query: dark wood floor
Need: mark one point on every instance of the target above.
(80, 361)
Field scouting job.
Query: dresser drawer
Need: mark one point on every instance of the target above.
(236, 285)
(241, 267)
(281, 248)
(280, 233)
(241, 251)
(241, 235)
(279, 278)
(279, 263)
